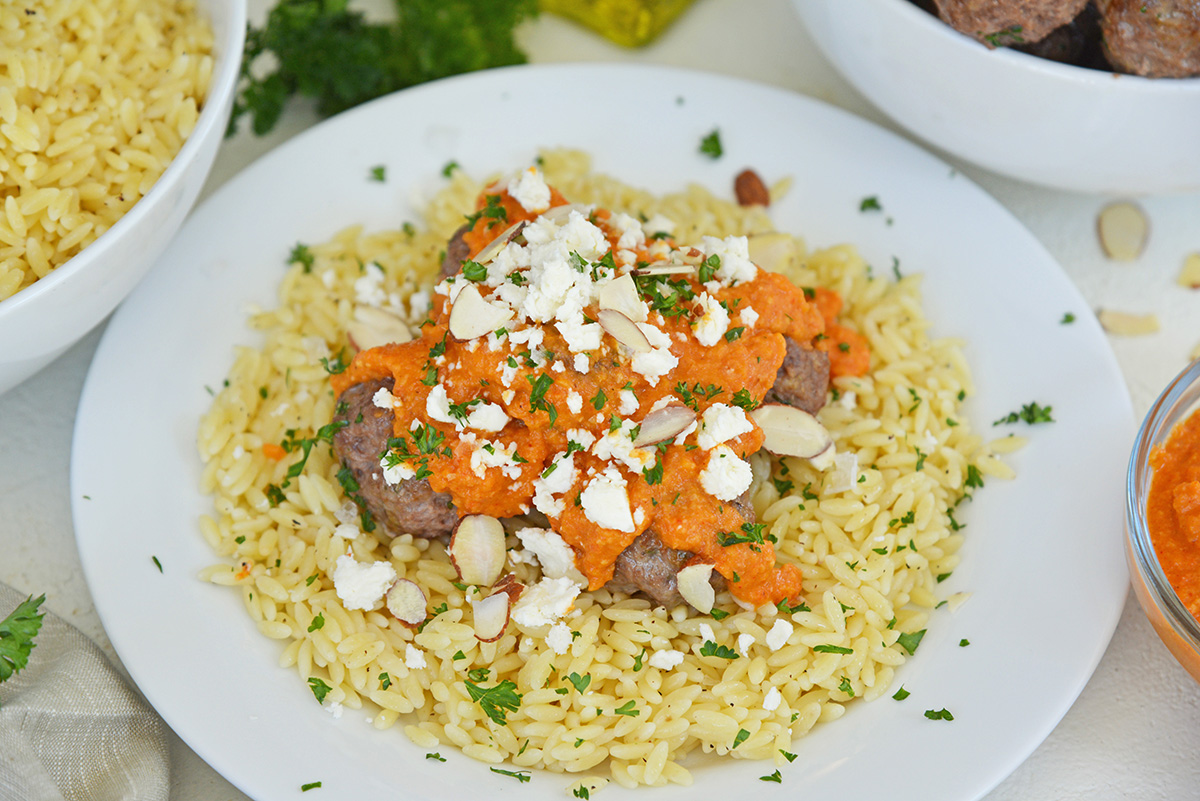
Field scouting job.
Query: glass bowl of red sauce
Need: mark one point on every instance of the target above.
(1162, 517)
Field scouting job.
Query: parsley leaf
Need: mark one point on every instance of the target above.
(910, 641)
(710, 648)
(710, 145)
(496, 702)
(16, 635)
(1030, 412)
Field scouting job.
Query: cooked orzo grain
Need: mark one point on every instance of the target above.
(96, 98)
(633, 691)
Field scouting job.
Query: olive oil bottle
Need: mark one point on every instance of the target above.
(631, 23)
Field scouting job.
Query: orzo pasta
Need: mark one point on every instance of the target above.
(620, 689)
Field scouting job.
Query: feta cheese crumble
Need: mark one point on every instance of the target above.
(726, 476)
(778, 636)
(666, 660)
(545, 603)
(362, 585)
(606, 502)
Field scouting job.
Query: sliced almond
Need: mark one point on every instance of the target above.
(560, 214)
(492, 249)
(509, 584)
(1127, 324)
(624, 330)
(1123, 230)
(621, 294)
(788, 431)
(477, 549)
(690, 255)
(665, 268)
(406, 601)
(663, 424)
(824, 460)
(1189, 275)
(472, 316)
(491, 616)
(772, 251)
(372, 327)
(696, 588)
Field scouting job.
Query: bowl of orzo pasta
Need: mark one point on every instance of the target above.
(111, 112)
(548, 458)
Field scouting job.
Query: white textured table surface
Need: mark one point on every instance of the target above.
(1129, 733)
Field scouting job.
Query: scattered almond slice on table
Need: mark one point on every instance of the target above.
(1189, 274)
(1127, 324)
(1123, 230)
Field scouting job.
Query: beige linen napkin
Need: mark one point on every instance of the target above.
(70, 728)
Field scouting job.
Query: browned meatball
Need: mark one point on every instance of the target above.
(803, 378)
(408, 507)
(999, 23)
(1152, 38)
(457, 251)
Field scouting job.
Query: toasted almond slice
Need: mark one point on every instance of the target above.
(492, 249)
(772, 251)
(621, 294)
(477, 549)
(750, 190)
(560, 214)
(406, 601)
(788, 431)
(372, 327)
(491, 616)
(1189, 274)
(1127, 324)
(509, 584)
(1123, 229)
(695, 587)
(665, 268)
(624, 330)
(663, 424)
(472, 316)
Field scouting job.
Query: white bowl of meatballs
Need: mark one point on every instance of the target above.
(1097, 96)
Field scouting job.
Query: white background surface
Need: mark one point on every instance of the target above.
(1133, 731)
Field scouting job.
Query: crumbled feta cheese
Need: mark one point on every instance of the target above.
(749, 316)
(545, 603)
(658, 361)
(487, 417)
(362, 585)
(618, 446)
(394, 473)
(530, 190)
(726, 476)
(368, 288)
(744, 641)
(347, 513)
(710, 328)
(580, 363)
(629, 402)
(495, 454)
(844, 474)
(553, 553)
(847, 400)
(437, 405)
(414, 657)
(384, 399)
(559, 638)
(574, 401)
(722, 423)
(335, 708)
(658, 224)
(778, 636)
(707, 634)
(580, 335)
(734, 252)
(668, 659)
(606, 503)
(772, 699)
(349, 530)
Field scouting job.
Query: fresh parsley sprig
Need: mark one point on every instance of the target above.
(17, 632)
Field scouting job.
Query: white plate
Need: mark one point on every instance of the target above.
(1042, 556)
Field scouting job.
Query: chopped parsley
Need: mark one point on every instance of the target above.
(580, 683)
(1030, 412)
(496, 702)
(938, 714)
(434, 755)
(520, 775)
(473, 271)
(909, 641)
(304, 788)
(774, 777)
(901, 694)
(157, 563)
(379, 173)
(751, 533)
(710, 145)
(832, 649)
(385, 681)
(1067, 319)
(317, 623)
(845, 686)
(870, 203)
(319, 689)
(301, 255)
(710, 648)
(628, 709)
(741, 737)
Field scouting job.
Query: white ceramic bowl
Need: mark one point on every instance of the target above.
(41, 321)
(1022, 116)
